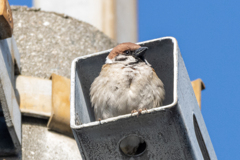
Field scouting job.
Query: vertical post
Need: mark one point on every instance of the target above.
(109, 18)
(126, 21)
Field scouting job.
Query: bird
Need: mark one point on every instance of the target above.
(126, 83)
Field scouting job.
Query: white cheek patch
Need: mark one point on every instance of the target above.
(108, 60)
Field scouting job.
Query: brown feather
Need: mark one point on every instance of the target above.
(119, 49)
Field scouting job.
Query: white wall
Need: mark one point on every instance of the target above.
(116, 18)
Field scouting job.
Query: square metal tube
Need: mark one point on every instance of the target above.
(175, 130)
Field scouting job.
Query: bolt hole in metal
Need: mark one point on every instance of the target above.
(132, 146)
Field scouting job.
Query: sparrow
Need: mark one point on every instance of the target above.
(126, 83)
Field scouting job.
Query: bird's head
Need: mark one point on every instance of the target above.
(127, 53)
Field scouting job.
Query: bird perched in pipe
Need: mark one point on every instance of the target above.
(126, 82)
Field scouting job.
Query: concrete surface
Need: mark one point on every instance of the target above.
(116, 18)
(48, 42)
(41, 144)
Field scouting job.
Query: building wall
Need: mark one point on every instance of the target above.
(116, 18)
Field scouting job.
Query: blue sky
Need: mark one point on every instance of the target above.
(21, 2)
(208, 34)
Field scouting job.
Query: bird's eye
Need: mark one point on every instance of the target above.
(127, 51)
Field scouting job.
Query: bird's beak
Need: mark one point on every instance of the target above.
(140, 52)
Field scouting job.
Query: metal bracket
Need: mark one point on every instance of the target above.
(10, 116)
(198, 86)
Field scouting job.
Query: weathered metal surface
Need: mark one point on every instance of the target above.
(15, 55)
(175, 130)
(60, 113)
(198, 86)
(35, 96)
(10, 116)
(6, 20)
